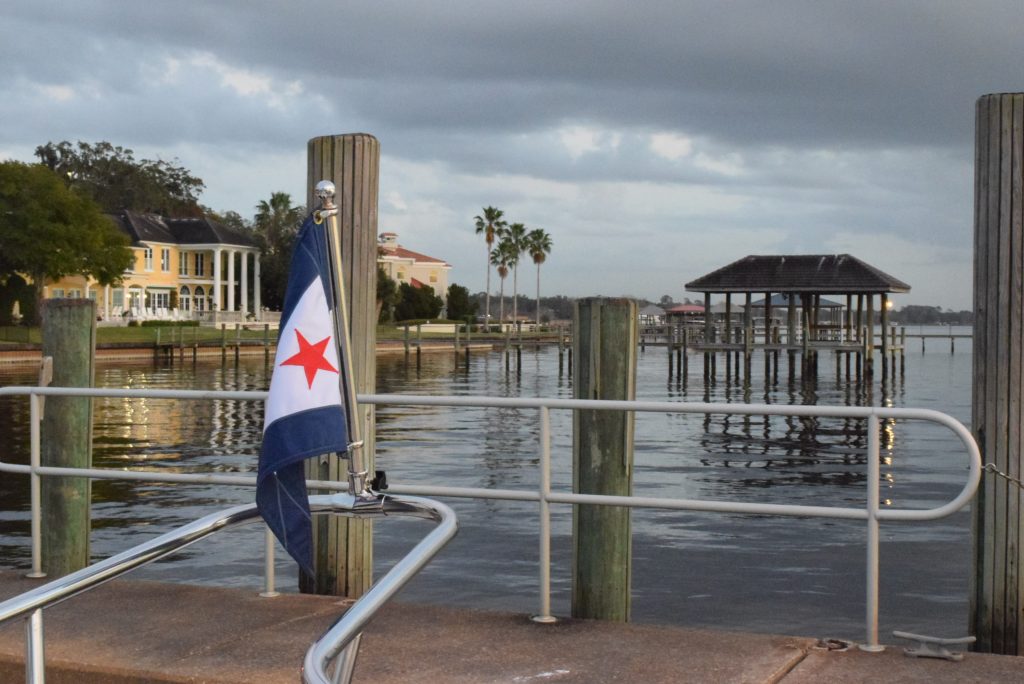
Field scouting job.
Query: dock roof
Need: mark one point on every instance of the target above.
(807, 273)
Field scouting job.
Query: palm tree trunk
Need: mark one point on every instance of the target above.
(487, 308)
(515, 294)
(538, 296)
(501, 316)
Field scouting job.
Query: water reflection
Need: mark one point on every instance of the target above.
(818, 461)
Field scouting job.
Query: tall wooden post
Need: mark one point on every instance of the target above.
(997, 587)
(69, 336)
(869, 342)
(343, 547)
(605, 344)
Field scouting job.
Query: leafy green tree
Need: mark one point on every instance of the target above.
(515, 236)
(48, 231)
(387, 296)
(275, 226)
(112, 177)
(417, 303)
(538, 246)
(459, 305)
(490, 225)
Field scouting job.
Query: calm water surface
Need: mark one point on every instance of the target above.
(756, 573)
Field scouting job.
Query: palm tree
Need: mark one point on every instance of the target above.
(275, 227)
(515, 235)
(538, 245)
(490, 225)
(501, 258)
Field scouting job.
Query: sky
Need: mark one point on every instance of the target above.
(654, 140)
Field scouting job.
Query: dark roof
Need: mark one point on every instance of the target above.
(182, 231)
(817, 273)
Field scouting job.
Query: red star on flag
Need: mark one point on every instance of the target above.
(310, 357)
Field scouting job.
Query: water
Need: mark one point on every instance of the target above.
(781, 575)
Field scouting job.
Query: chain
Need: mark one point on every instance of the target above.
(992, 469)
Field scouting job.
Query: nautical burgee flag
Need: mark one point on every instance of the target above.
(305, 412)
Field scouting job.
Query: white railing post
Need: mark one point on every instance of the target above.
(269, 588)
(35, 487)
(544, 614)
(35, 660)
(871, 573)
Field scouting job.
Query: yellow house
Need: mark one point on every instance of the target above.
(405, 266)
(185, 268)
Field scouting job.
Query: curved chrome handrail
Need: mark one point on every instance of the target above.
(343, 637)
(337, 638)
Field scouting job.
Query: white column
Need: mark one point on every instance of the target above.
(216, 279)
(106, 302)
(256, 287)
(231, 280)
(245, 283)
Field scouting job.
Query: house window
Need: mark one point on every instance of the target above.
(183, 263)
(57, 293)
(74, 294)
(118, 298)
(147, 256)
(92, 295)
(160, 299)
(401, 275)
(185, 298)
(165, 260)
(200, 264)
(433, 277)
(200, 298)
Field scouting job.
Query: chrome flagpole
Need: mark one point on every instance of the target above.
(358, 472)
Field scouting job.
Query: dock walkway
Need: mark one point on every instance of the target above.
(138, 631)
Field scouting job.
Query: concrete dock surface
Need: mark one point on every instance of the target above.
(138, 631)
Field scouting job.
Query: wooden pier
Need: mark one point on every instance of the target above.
(795, 318)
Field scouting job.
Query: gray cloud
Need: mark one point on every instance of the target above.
(809, 121)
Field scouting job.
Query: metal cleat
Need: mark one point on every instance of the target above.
(933, 647)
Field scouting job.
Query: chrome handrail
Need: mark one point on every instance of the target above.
(333, 642)
(872, 513)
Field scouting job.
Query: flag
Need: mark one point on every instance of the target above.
(305, 412)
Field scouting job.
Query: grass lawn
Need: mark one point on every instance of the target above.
(140, 335)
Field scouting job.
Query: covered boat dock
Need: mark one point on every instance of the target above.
(794, 315)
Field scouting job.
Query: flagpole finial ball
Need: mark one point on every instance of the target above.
(324, 190)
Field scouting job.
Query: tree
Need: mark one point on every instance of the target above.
(515, 236)
(501, 259)
(387, 296)
(48, 231)
(417, 303)
(538, 246)
(459, 305)
(275, 226)
(490, 225)
(112, 177)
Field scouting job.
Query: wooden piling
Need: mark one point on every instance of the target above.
(69, 337)
(343, 547)
(997, 582)
(605, 342)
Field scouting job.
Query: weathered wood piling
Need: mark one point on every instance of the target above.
(69, 337)
(997, 587)
(605, 343)
(343, 547)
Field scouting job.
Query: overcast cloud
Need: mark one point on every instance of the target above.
(655, 141)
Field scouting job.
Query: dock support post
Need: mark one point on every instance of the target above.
(69, 337)
(605, 342)
(997, 597)
(343, 547)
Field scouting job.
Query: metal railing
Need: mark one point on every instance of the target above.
(341, 639)
(872, 513)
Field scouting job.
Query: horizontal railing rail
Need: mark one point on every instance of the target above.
(872, 512)
(340, 639)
